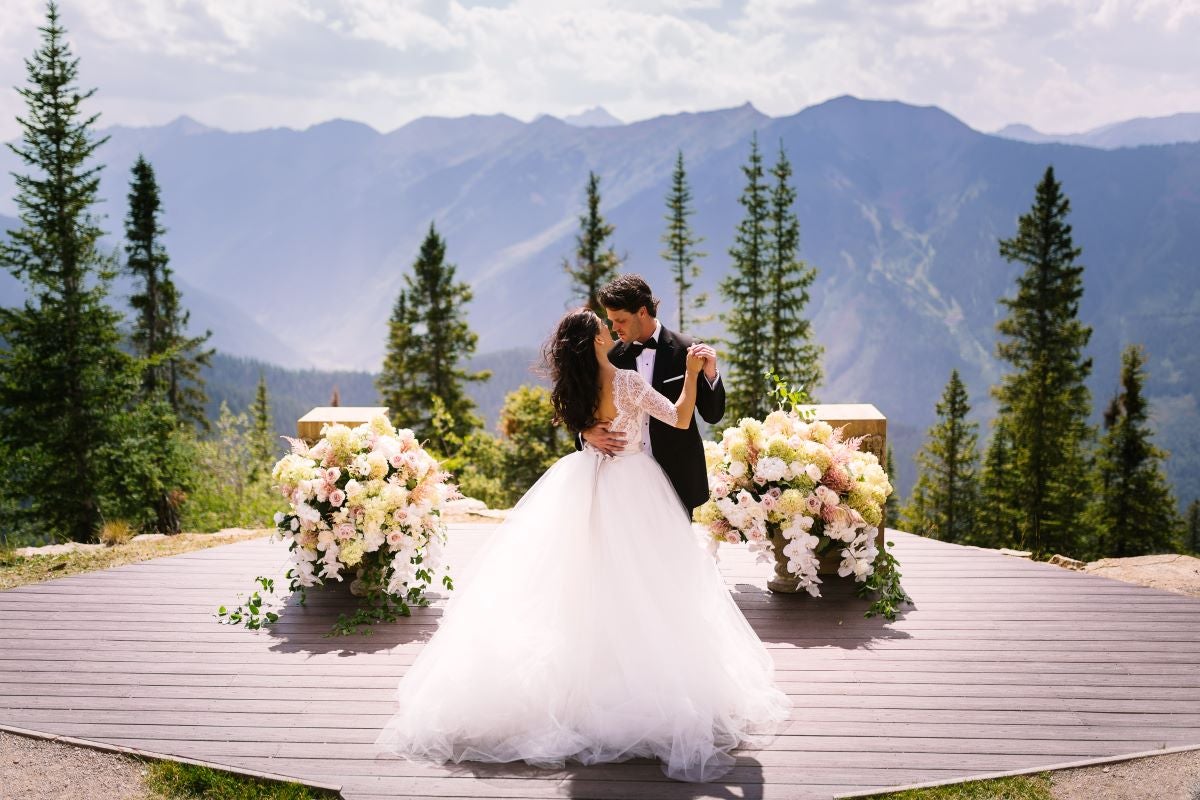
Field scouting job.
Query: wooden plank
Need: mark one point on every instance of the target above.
(1001, 663)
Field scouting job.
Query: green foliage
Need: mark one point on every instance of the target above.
(746, 290)
(891, 506)
(499, 471)
(1044, 403)
(595, 264)
(64, 380)
(680, 241)
(187, 781)
(532, 442)
(884, 584)
(171, 360)
(999, 517)
(428, 340)
(1133, 511)
(231, 488)
(946, 497)
(1192, 527)
(791, 352)
(262, 428)
(767, 290)
(251, 613)
(156, 471)
(790, 399)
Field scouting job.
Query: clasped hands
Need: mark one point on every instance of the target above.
(700, 357)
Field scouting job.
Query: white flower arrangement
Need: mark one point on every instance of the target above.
(796, 479)
(367, 499)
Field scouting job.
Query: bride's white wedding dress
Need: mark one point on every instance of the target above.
(592, 626)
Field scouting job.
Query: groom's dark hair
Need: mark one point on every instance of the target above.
(628, 293)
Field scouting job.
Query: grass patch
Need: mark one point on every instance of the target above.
(18, 570)
(1020, 787)
(177, 781)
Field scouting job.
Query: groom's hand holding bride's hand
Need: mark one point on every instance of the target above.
(709, 355)
(695, 359)
(604, 440)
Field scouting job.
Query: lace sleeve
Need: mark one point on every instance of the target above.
(647, 399)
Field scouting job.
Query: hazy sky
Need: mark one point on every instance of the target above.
(1060, 65)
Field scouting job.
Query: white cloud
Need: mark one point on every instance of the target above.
(1057, 64)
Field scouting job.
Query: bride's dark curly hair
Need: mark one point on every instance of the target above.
(570, 356)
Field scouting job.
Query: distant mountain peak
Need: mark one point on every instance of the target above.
(595, 117)
(341, 124)
(187, 126)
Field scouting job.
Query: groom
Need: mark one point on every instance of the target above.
(660, 356)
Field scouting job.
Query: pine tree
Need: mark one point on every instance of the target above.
(747, 290)
(262, 430)
(395, 382)
(891, 506)
(999, 518)
(428, 341)
(594, 264)
(1192, 532)
(1044, 402)
(791, 353)
(946, 497)
(1133, 512)
(65, 383)
(172, 361)
(681, 252)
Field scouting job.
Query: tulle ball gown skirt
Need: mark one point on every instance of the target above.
(590, 627)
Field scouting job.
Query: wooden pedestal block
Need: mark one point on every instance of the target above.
(856, 419)
(309, 426)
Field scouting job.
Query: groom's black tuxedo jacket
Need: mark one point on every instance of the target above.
(680, 452)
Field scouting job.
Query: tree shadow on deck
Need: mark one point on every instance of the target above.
(307, 628)
(833, 620)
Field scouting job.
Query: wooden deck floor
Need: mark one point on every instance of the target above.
(1001, 665)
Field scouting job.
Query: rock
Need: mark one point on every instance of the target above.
(1067, 563)
(56, 549)
(1171, 571)
(1004, 551)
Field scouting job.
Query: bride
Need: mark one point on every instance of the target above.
(592, 626)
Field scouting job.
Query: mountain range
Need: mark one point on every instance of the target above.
(1127, 133)
(291, 245)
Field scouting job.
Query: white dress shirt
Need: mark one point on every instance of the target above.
(645, 367)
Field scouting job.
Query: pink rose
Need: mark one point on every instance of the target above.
(337, 497)
(733, 537)
(768, 502)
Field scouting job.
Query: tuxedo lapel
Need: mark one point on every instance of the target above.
(666, 360)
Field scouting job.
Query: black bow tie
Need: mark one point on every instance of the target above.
(637, 347)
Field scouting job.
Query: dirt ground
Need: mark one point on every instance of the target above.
(1175, 776)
